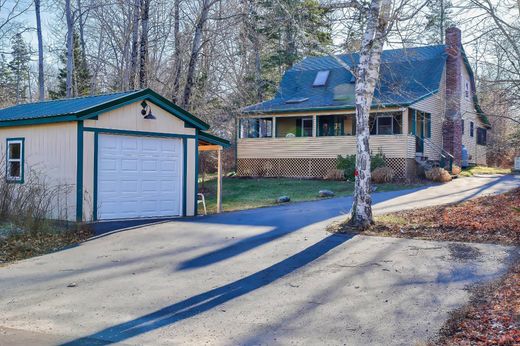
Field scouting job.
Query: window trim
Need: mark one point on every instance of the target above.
(303, 120)
(391, 124)
(10, 179)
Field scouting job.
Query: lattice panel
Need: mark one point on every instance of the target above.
(309, 168)
(291, 167)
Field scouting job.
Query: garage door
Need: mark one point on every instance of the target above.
(138, 177)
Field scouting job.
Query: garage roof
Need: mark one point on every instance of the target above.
(81, 108)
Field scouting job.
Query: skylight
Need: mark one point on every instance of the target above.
(297, 100)
(321, 78)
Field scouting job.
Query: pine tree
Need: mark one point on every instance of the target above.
(281, 25)
(439, 16)
(81, 77)
(19, 66)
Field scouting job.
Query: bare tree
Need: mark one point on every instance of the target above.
(135, 40)
(70, 53)
(41, 79)
(143, 57)
(177, 53)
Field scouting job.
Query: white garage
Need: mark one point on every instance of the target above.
(139, 177)
(112, 156)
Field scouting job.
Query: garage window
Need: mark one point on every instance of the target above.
(14, 160)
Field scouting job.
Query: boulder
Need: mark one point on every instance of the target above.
(283, 199)
(326, 193)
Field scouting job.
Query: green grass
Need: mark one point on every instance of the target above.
(468, 172)
(243, 193)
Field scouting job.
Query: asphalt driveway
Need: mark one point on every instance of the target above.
(264, 276)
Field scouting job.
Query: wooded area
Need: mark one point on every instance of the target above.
(215, 56)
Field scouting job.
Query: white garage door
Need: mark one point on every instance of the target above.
(139, 177)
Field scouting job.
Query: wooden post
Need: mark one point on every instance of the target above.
(219, 181)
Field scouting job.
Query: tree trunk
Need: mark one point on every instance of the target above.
(135, 39)
(367, 76)
(41, 80)
(143, 61)
(195, 49)
(177, 53)
(70, 56)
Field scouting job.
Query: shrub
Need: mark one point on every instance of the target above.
(335, 174)
(348, 163)
(382, 175)
(438, 174)
(456, 170)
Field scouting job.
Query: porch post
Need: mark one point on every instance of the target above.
(314, 125)
(219, 181)
(273, 135)
(405, 122)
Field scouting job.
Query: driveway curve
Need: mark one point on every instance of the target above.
(263, 276)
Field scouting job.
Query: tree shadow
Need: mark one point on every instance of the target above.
(210, 299)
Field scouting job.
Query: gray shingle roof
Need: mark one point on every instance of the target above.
(406, 76)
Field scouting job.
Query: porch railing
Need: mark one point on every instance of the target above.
(444, 155)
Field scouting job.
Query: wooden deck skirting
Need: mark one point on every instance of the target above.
(315, 156)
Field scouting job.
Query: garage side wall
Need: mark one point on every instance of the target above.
(50, 158)
(128, 120)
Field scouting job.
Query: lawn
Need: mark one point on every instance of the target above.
(246, 193)
(470, 171)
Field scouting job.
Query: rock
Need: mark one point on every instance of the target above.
(326, 193)
(72, 284)
(283, 199)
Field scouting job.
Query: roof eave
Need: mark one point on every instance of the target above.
(212, 139)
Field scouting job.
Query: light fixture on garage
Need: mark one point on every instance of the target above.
(147, 111)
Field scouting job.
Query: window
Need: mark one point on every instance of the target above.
(481, 136)
(466, 89)
(331, 125)
(321, 78)
(14, 160)
(384, 125)
(307, 127)
(256, 128)
(289, 127)
(462, 125)
(471, 129)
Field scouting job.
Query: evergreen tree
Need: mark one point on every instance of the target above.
(7, 89)
(439, 16)
(19, 67)
(285, 25)
(80, 78)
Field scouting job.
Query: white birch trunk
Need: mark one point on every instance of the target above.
(366, 79)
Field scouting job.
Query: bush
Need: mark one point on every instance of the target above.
(334, 174)
(438, 174)
(348, 163)
(382, 175)
(456, 170)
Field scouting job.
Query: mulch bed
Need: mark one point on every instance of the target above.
(489, 219)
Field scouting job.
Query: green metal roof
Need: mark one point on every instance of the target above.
(208, 137)
(81, 108)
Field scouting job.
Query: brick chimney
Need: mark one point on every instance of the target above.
(452, 125)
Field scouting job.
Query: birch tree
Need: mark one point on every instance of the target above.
(367, 74)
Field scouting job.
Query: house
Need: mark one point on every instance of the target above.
(121, 155)
(425, 109)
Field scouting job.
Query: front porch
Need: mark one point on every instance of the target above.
(308, 145)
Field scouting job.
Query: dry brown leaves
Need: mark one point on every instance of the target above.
(493, 219)
(492, 318)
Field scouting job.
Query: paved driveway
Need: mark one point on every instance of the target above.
(265, 276)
